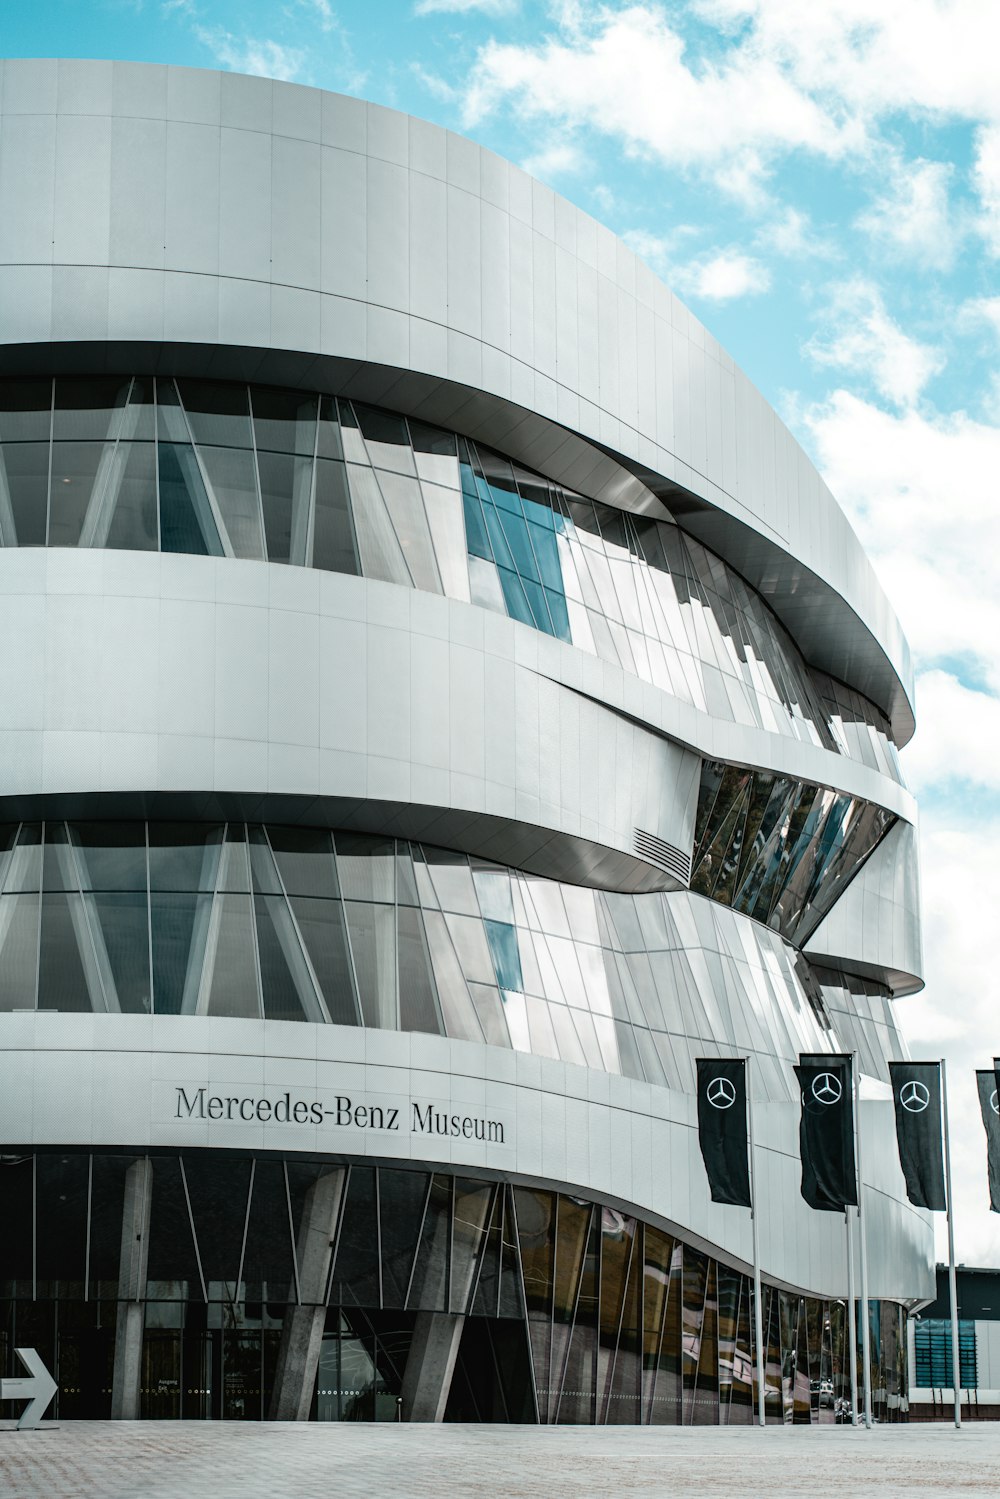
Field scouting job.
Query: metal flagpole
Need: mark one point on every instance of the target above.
(758, 1313)
(852, 1322)
(956, 1376)
(866, 1349)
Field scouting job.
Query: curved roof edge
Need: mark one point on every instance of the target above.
(349, 231)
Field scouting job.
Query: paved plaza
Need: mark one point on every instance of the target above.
(177, 1460)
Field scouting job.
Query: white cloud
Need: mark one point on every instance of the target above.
(463, 7)
(790, 234)
(913, 217)
(557, 158)
(986, 179)
(717, 276)
(723, 276)
(777, 77)
(865, 341)
(980, 310)
(242, 54)
(959, 730)
(625, 72)
(324, 12)
(921, 490)
(926, 55)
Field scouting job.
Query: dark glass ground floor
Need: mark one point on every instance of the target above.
(215, 1285)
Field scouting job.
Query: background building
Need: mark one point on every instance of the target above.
(439, 701)
(930, 1371)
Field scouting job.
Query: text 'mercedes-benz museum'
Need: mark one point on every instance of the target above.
(439, 703)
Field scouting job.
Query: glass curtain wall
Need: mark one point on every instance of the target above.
(254, 921)
(225, 469)
(776, 849)
(574, 1312)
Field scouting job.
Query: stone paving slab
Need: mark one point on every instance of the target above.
(206, 1460)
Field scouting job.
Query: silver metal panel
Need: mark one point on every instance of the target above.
(874, 928)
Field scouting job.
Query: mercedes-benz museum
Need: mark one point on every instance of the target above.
(439, 701)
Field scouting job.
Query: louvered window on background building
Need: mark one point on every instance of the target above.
(932, 1350)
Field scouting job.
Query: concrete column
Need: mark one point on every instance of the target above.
(430, 1365)
(132, 1291)
(302, 1329)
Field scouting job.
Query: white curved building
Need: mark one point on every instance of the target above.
(439, 701)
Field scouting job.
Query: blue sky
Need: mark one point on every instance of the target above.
(821, 184)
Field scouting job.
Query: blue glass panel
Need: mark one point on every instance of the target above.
(501, 551)
(507, 499)
(468, 479)
(542, 515)
(502, 938)
(539, 608)
(547, 554)
(186, 522)
(513, 592)
(516, 532)
(475, 529)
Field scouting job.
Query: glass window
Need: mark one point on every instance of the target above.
(218, 412)
(286, 497)
(304, 857)
(386, 438)
(403, 1196)
(119, 931)
(284, 420)
(65, 981)
(406, 511)
(417, 1000)
(502, 938)
(74, 469)
(130, 499)
(286, 982)
(112, 855)
(233, 481)
(367, 866)
(25, 410)
(231, 964)
(186, 520)
(18, 951)
(321, 928)
(334, 547)
(357, 1277)
(179, 933)
(372, 934)
(329, 444)
(91, 407)
(26, 465)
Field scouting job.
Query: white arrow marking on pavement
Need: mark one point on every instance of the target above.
(37, 1390)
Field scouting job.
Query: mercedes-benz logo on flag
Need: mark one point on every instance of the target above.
(721, 1094)
(994, 1105)
(827, 1088)
(914, 1097)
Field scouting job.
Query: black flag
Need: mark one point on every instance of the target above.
(826, 1132)
(988, 1102)
(722, 1128)
(916, 1096)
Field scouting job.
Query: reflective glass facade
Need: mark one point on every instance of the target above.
(777, 849)
(256, 472)
(292, 923)
(566, 1310)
